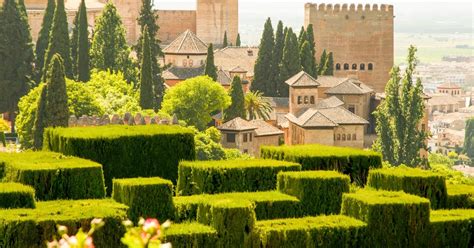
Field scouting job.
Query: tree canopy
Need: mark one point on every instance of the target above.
(43, 38)
(211, 69)
(256, 106)
(146, 74)
(82, 59)
(264, 71)
(469, 139)
(290, 64)
(237, 108)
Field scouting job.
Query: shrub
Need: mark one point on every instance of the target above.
(460, 196)
(350, 161)
(15, 195)
(30, 228)
(146, 197)
(55, 176)
(394, 219)
(412, 181)
(321, 231)
(320, 192)
(452, 176)
(451, 228)
(230, 176)
(126, 151)
(188, 235)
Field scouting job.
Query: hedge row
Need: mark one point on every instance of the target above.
(460, 196)
(55, 176)
(350, 161)
(192, 234)
(230, 175)
(30, 228)
(451, 228)
(15, 195)
(412, 181)
(322, 231)
(394, 219)
(146, 197)
(320, 192)
(126, 151)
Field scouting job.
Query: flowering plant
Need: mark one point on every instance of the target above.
(147, 234)
(80, 240)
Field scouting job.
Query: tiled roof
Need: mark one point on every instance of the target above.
(448, 86)
(230, 57)
(330, 102)
(238, 69)
(186, 43)
(182, 73)
(326, 117)
(302, 79)
(330, 81)
(444, 99)
(237, 124)
(223, 78)
(278, 102)
(349, 87)
(265, 129)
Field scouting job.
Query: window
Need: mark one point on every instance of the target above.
(354, 66)
(246, 151)
(231, 138)
(344, 137)
(306, 100)
(346, 66)
(338, 67)
(370, 67)
(311, 100)
(245, 138)
(351, 108)
(338, 137)
(354, 136)
(348, 136)
(185, 63)
(250, 53)
(187, 57)
(190, 63)
(299, 100)
(250, 137)
(362, 67)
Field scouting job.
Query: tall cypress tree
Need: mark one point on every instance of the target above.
(74, 43)
(330, 65)
(238, 43)
(312, 44)
(211, 69)
(225, 42)
(278, 56)
(469, 139)
(323, 63)
(146, 76)
(237, 108)
(83, 61)
(43, 38)
(264, 70)
(302, 37)
(306, 58)
(40, 119)
(56, 99)
(290, 64)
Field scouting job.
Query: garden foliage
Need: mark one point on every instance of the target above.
(16, 195)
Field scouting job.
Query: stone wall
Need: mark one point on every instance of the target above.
(126, 119)
(214, 18)
(174, 22)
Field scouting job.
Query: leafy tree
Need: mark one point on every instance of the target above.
(237, 108)
(312, 45)
(398, 117)
(40, 119)
(290, 64)
(256, 106)
(208, 146)
(16, 56)
(330, 65)
(211, 69)
(238, 43)
(43, 38)
(306, 58)
(83, 61)
(264, 71)
(469, 139)
(59, 40)
(195, 99)
(323, 63)
(146, 76)
(225, 42)
(56, 97)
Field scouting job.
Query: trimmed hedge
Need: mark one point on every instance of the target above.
(55, 176)
(412, 181)
(320, 192)
(460, 196)
(451, 228)
(15, 195)
(394, 219)
(191, 235)
(230, 175)
(322, 231)
(146, 197)
(126, 151)
(353, 162)
(268, 204)
(30, 228)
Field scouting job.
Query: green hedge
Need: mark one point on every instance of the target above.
(146, 197)
(268, 204)
(394, 219)
(320, 192)
(126, 151)
(191, 235)
(230, 175)
(412, 181)
(350, 161)
(451, 228)
(460, 196)
(55, 176)
(15, 195)
(30, 228)
(322, 231)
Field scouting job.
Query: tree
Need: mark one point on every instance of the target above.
(237, 108)
(264, 71)
(40, 120)
(74, 43)
(59, 40)
(312, 45)
(306, 58)
(277, 57)
(195, 99)
(290, 64)
(43, 38)
(469, 139)
(398, 117)
(323, 63)
(211, 69)
(83, 61)
(302, 37)
(56, 97)
(16, 57)
(225, 42)
(256, 106)
(146, 76)
(238, 43)
(330, 65)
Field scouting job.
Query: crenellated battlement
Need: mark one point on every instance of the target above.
(350, 8)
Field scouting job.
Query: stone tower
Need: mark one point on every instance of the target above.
(360, 37)
(129, 11)
(214, 18)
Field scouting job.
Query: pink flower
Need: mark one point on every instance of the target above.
(151, 226)
(89, 243)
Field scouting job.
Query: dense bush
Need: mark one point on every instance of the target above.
(412, 181)
(55, 176)
(126, 151)
(460, 196)
(189, 235)
(320, 192)
(451, 228)
(322, 231)
(15, 195)
(353, 162)
(30, 228)
(452, 176)
(394, 219)
(145, 197)
(230, 176)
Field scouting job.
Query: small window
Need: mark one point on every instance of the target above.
(311, 100)
(338, 137)
(250, 137)
(351, 108)
(370, 67)
(348, 137)
(190, 63)
(362, 67)
(185, 63)
(354, 137)
(299, 100)
(187, 57)
(245, 138)
(346, 66)
(338, 67)
(306, 100)
(231, 138)
(246, 151)
(344, 137)
(250, 53)
(354, 66)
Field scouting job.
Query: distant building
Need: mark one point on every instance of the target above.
(450, 89)
(229, 58)
(444, 103)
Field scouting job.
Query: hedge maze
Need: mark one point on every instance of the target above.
(296, 197)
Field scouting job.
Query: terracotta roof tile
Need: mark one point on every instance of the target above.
(182, 73)
(350, 87)
(230, 57)
(237, 124)
(302, 79)
(265, 129)
(186, 43)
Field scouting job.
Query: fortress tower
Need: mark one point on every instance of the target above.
(214, 18)
(360, 37)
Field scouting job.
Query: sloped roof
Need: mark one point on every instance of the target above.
(229, 57)
(237, 124)
(330, 102)
(326, 117)
(444, 99)
(238, 69)
(341, 115)
(265, 129)
(302, 79)
(278, 102)
(448, 86)
(350, 87)
(182, 73)
(330, 81)
(186, 43)
(223, 78)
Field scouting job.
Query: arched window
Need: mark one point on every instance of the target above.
(370, 67)
(311, 100)
(338, 137)
(185, 63)
(338, 67)
(191, 63)
(348, 136)
(299, 100)
(346, 66)
(362, 67)
(306, 100)
(354, 137)
(343, 137)
(354, 66)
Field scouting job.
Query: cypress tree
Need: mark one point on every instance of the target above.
(323, 63)
(225, 42)
(312, 44)
(238, 43)
(302, 38)
(237, 108)
(146, 76)
(278, 56)
(56, 98)
(43, 38)
(83, 63)
(40, 119)
(211, 69)
(469, 139)
(264, 70)
(330, 65)
(74, 43)
(290, 64)
(306, 59)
